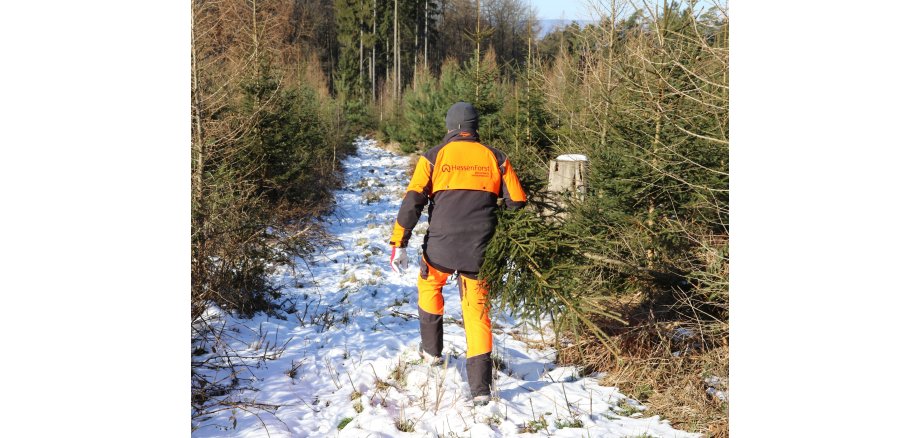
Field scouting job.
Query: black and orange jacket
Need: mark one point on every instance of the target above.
(461, 181)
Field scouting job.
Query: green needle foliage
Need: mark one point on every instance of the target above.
(267, 140)
(536, 267)
(530, 264)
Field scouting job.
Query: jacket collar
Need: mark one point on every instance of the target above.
(460, 135)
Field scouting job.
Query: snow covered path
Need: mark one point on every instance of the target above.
(348, 347)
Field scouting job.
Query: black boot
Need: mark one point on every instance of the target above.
(479, 375)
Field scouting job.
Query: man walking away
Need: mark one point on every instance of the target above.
(461, 181)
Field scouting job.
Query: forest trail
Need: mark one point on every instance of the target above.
(350, 339)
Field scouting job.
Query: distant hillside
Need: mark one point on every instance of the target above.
(548, 25)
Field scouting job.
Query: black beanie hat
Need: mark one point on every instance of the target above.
(463, 116)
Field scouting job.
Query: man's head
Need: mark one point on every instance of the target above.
(462, 116)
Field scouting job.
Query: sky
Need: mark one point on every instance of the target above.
(582, 9)
(555, 9)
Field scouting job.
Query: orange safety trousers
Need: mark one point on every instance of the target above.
(474, 301)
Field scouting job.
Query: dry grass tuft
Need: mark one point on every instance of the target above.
(663, 364)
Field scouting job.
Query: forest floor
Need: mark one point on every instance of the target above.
(342, 358)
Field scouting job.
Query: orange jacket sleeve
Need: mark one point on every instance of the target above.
(414, 201)
(512, 191)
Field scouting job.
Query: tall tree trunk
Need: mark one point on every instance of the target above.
(608, 85)
(478, 40)
(388, 61)
(398, 50)
(373, 69)
(255, 34)
(426, 35)
(395, 50)
(198, 149)
(527, 77)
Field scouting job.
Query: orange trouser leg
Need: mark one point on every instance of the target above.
(475, 305)
(474, 300)
(431, 307)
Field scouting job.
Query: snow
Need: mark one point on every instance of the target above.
(360, 325)
(572, 157)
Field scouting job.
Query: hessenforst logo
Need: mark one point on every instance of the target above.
(464, 168)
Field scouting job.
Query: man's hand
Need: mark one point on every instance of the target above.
(399, 260)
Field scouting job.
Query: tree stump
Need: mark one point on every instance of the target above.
(568, 175)
(568, 180)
